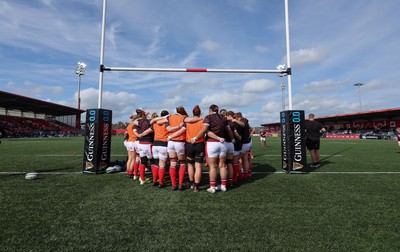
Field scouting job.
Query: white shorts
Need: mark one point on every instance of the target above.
(262, 139)
(230, 148)
(236, 153)
(178, 147)
(145, 150)
(246, 147)
(130, 146)
(136, 146)
(216, 149)
(160, 152)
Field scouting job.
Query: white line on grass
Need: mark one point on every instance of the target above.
(72, 154)
(325, 155)
(59, 155)
(340, 173)
(342, 143)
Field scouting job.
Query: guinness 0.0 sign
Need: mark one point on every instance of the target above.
(293, 143)
(96, 156)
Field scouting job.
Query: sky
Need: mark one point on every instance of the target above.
(334, 44)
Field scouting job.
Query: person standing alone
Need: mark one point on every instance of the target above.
(313, 134)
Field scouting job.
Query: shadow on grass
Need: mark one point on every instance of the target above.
(260, 171)
(325, 161)
(57, 169)
(337, 153)
(264, 169)
(313, 169)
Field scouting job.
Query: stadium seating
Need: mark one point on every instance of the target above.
(12, 126)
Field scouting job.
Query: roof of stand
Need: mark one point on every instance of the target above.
(25, 104)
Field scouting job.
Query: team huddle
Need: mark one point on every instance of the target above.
(181, 143)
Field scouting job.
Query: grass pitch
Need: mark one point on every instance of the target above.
(349, 204)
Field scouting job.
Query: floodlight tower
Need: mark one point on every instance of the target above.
(359, 93)
(79, 70)
(283, 86)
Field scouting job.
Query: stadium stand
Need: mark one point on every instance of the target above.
(22, 116)
(374, 124)
(30, 127)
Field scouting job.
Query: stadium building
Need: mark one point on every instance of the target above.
(22, 116)
(373, 124)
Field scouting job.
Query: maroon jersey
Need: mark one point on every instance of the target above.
(230, 125)
(217, 124)
(236, 128)
(144, 124)
(246, 137)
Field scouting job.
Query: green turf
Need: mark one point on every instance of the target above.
(328, 210)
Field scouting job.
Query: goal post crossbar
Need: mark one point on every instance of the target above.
(193, 70)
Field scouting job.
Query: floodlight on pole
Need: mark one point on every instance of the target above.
(79, 70)
(283, 86)
(358, 85)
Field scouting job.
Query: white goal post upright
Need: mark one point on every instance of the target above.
(103, 38)
(289, 69)
(103, 68)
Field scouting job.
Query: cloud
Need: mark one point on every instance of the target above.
(156, 44)
(121, 103)
(307, 56)
(193, 56)
(262, 49)
(172, 103)
(203, 85)
(47, 2)
(373, 85)
(169, 104)
(209, 45)
(191, 59)
(34, 89)
(259, 85)
(271, 106)
(247, 5)
(324, 85)
(230, 100)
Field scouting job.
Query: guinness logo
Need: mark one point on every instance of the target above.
(88, 165)
(103, 165)
(297, 166)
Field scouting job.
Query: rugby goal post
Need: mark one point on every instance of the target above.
(292, 122)
(103, 68)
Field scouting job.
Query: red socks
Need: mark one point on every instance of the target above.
(129, 172)
(213, 184)
(182, 172)
(248, 174)
(154, 171)
(161, 175)
(172, 175)
(223, 182)
(235, 172)
(142, 170)
(135, 168)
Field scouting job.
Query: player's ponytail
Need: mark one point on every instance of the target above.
(196, 110)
